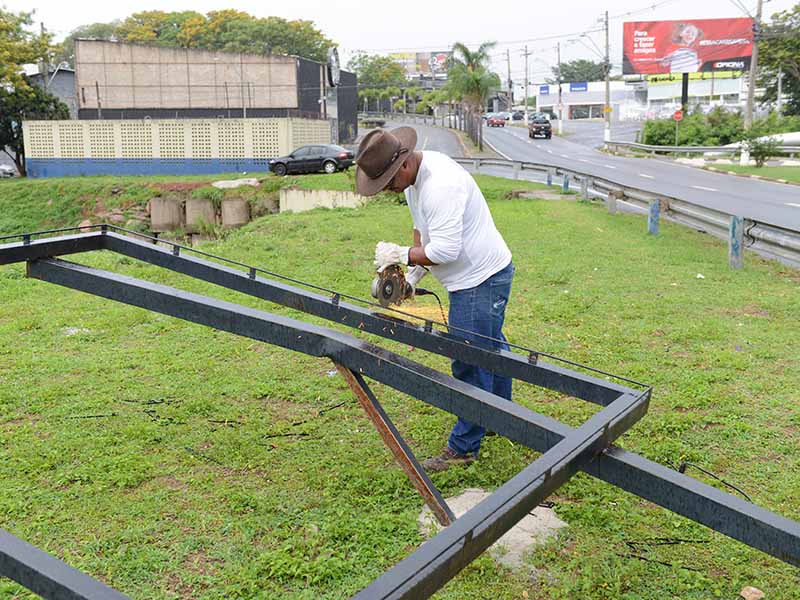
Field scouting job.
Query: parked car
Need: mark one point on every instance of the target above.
(6, 171)
(312, 159)
(539, 124)
(518, 115)
(496, 121)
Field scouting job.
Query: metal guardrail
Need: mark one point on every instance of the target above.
(766, 239)
(790, 150)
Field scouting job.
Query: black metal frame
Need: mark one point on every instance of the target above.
(566, 450)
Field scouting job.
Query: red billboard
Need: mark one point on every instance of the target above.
(687, 46)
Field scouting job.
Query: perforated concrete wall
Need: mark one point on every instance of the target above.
(60, 148)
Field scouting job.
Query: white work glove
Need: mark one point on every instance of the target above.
(387, 253)
(414, 275)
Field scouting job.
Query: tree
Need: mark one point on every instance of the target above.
(579, 70)
(226, 30)
(65, 52)
(377, 71)
(780, 51)
(18, 47)
(24, 102)
(470, 77)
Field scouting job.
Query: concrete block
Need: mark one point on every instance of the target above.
(235, 212)
(533, 530)
(296, 200)
(200, 213)
(165, 214)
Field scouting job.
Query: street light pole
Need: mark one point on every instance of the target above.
(607, 106)
(744, 157)
(560, 103)
(526, 85)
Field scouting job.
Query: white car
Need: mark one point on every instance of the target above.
(6, 171)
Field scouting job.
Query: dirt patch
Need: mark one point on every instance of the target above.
(169, 482)
(201, 564)
(750, 310)
(180, 186)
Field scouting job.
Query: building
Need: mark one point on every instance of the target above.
(60, 82)
(642, 98)
(128, 81)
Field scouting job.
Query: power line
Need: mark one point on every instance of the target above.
(644, 9)
(468, 44)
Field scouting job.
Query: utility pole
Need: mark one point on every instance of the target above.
(45, 64)
(780, 90)
(560, 104)
(526, 54)
(744, 157)
(607, 107)
(510, 89)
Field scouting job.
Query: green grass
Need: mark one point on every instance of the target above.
(39, 204)
(791, 174)
(174, 461)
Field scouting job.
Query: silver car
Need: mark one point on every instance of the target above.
(6, 171)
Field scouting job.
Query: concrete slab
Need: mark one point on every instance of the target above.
(534, 530)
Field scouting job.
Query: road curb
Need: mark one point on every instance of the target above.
(749, 176)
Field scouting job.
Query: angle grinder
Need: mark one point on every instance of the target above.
(391, 287)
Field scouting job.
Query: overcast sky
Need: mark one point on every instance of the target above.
(433, 25)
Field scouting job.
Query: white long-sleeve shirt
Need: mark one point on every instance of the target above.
(455, 225)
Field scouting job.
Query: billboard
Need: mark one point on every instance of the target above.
(423, 63)
(651, 47)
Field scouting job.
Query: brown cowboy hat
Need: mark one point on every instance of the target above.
(380, 155)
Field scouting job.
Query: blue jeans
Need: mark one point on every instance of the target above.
(481, 310)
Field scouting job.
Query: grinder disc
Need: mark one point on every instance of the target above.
(390, 286)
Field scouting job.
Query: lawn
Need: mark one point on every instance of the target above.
(173, 461)
(791, 174)
(39, 204)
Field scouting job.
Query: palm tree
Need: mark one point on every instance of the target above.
(470, 75)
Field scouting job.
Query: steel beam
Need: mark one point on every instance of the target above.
(397, 445)
(49, 247)
(425, 571)
(47, 576)
(503, 362)
(730, 515)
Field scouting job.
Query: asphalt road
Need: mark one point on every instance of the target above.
(438, 139)
(590, 132)
(774, 203)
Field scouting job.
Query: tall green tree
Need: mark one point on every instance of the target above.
(470, 77)
(18, 104)
(225, 30)
(780, 52)
(65, 52)
(578, 70)
(381, 74)
(18, 46)
(377, 71)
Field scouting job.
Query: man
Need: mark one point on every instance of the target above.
(455, 236)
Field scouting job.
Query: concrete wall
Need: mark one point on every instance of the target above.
(130, 76)
(146, 147)
(296, 200)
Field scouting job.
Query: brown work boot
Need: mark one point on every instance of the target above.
(447, 459)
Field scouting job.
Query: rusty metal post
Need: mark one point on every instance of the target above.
(402, 453)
